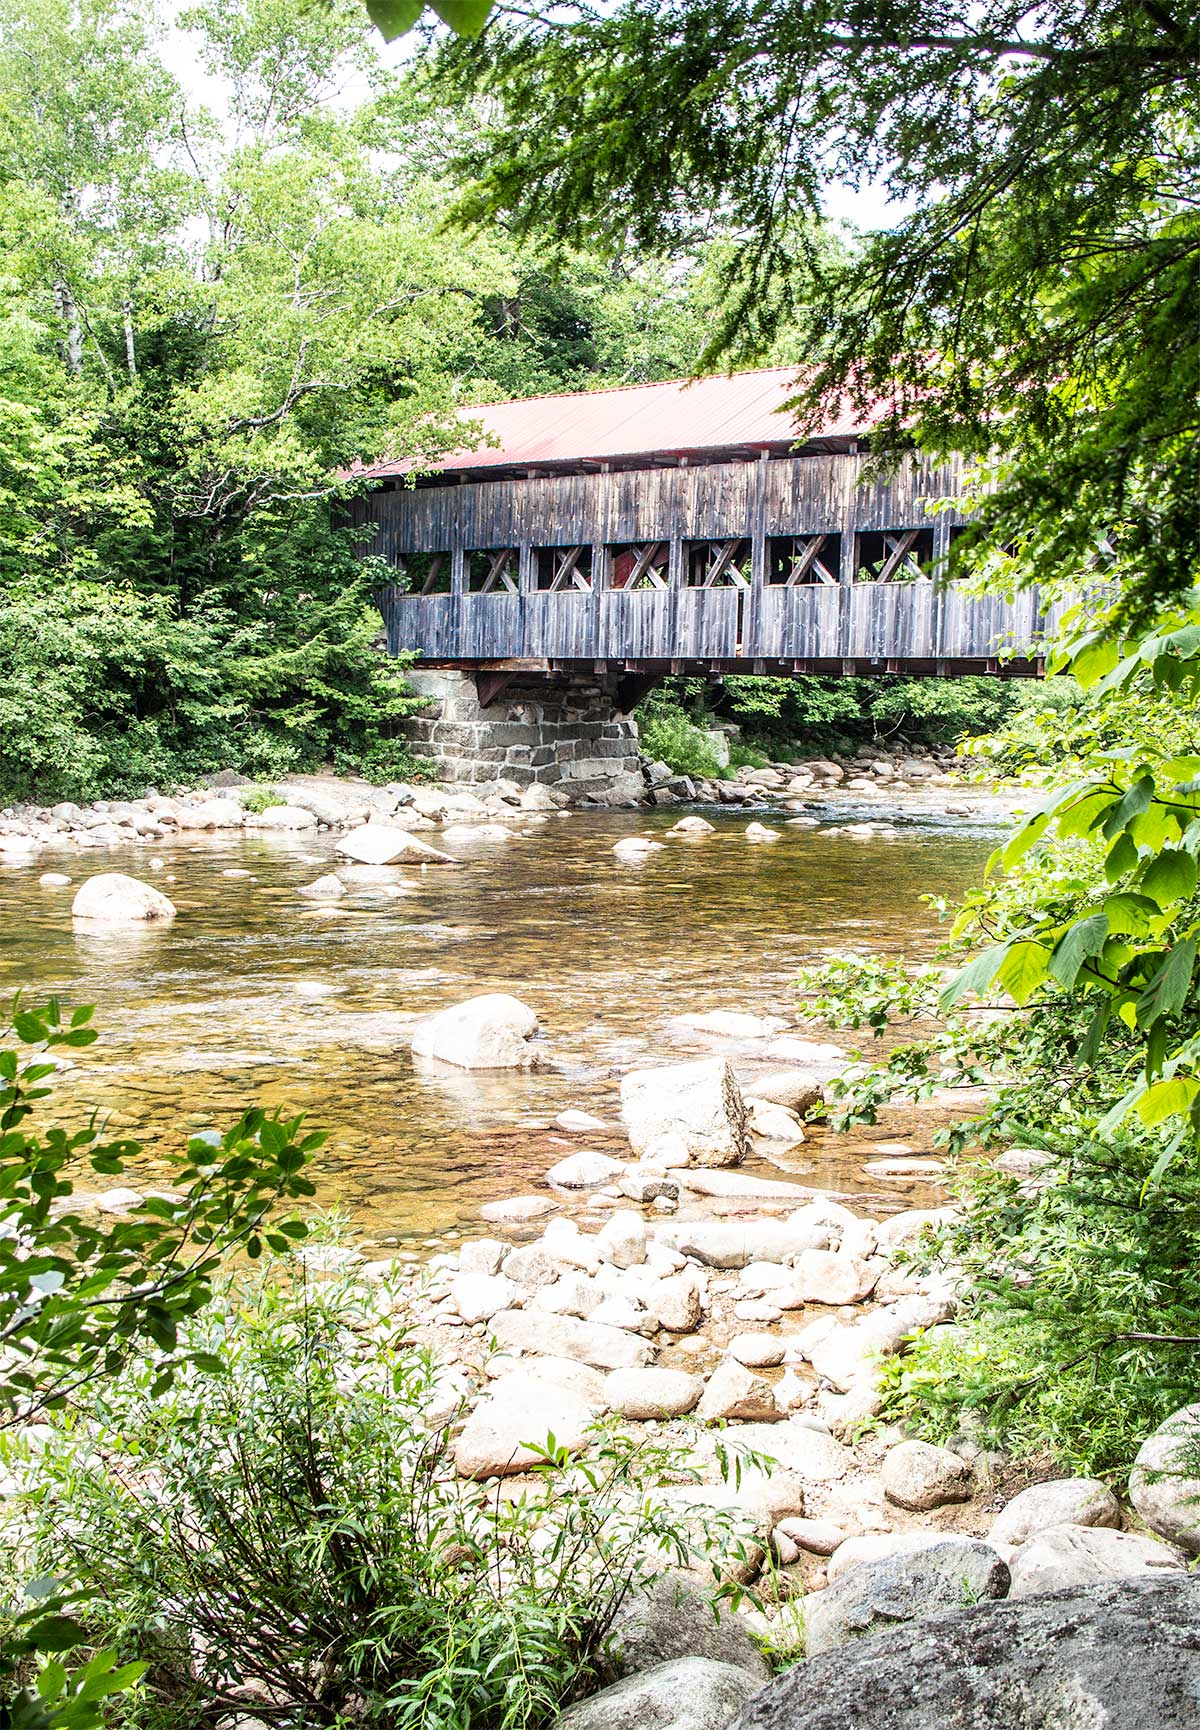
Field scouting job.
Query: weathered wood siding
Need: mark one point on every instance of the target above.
(683, 511)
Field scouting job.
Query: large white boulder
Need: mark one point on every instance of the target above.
(1163, 1487)
(112, 898)
(1059, 1502)
(212, 814)
(489, 1032)
(505, 1430)
(282, 817)
(686, 1114)
(382, 844)
(1066, 1556)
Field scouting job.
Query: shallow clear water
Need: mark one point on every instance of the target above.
(256, 996)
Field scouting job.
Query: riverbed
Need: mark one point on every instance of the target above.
(254, 995)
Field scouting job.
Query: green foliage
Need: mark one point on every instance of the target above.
(667, 735)
(84, 1297)
(1036, 287)
(258, 799)
(295, 1527)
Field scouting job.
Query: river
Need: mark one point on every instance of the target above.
(256, 996)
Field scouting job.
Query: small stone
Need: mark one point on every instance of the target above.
(517, 1209)
(652, 1393)
(819, 1537)
(825, 1277)
(622, 1240)
(773, 1122)
(482, 1255)
(584, 1170)
(757, 1351)
(327, 888)
(734, 1394)
(530, 1266)
(478, 1296)
(578, 1122)
(53, 880)
(760, 832)
(684, 1694)
(920, 1476)
(676, 1303)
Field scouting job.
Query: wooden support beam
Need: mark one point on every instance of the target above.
(632, 688)
(490, 686)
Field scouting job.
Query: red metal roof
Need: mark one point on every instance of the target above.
(679, 418)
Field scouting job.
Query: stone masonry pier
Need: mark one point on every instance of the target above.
(566, 731)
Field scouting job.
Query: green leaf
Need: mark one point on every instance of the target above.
(393, 18)
(1122, 857)
(1170, 876)
(1168, 989)
(976, 976)
(1169, 1097)
(465, 17)
(1083, 941)
(1023, 969)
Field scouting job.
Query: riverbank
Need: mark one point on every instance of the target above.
(887, 785)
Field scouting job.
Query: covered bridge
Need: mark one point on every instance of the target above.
(680, 528)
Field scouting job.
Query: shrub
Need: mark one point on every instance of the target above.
(290, 1538)
(668, 736)
(256, 799)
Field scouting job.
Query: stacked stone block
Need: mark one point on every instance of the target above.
(561, 730)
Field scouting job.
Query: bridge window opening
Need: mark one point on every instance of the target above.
(794, 561)
(895, 556)
(493, 571)
(563, 569)
(641, 565)
(423, 574)
(718, 564)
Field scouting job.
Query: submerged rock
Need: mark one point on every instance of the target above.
(112, 898)
(489, 1032)
(382, 844)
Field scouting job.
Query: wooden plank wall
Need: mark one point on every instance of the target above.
(846, 621)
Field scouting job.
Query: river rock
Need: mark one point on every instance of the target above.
(686, 1114)
(622, 1239)
(212, 814)
(478, 1296)
(605, 1348)
(920, 1476)
(518, 1209)
(1118, 1657)
(900, 1588)
(1062, 1501)
(674, 1617)
(327, 888)
(383, 844)
(521, 1410)
(572, 1294)
(736, 1243)
(1169, 1503)
(578, 1122)
(911, 1224)
(281, 817)
(794, 1088)
(825, 1277)
(790, 1049)
(1088, 1556)
(637, 847)
(819, 1537)
(684, 1694)
(692, 826)
(112, 898)
(488, 1032)
(482, 1255)
(733, 1023)
(799, 1447)
(652, 1393)
(54, 880)
(773, 1122)
(585, 1170)
(531, 1266)
(734, 1394)
(760, 832)
(757, 1351)
(676, 1302)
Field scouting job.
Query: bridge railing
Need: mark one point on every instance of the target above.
(909, 621)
